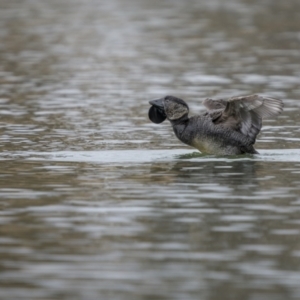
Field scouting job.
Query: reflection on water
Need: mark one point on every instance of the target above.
(99, 203)
(75, 228)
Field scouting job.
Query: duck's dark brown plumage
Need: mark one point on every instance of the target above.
(228, 127)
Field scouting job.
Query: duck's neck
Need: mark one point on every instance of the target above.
(179, 127)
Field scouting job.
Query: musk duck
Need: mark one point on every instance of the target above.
(228, 127)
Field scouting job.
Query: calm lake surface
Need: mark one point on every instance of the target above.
(97, 202)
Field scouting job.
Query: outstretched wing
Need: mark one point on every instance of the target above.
(260, 105)
(243, 114)
(211, 104)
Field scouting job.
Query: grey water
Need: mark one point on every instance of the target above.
(99, 203)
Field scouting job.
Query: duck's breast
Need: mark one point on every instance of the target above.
(213, 139)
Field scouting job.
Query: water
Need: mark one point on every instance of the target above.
(99, 203)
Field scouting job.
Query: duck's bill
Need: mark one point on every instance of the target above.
(156, 114)
(157, 103)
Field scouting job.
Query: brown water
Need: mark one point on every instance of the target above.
(99, 203)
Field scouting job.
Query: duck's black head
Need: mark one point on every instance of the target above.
(168, 107)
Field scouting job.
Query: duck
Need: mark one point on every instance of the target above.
(228, 127)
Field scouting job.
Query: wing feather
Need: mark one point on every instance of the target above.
(211, 104)
(244, 114)
(263, 106)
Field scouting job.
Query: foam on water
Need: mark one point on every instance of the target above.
(150, 156)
